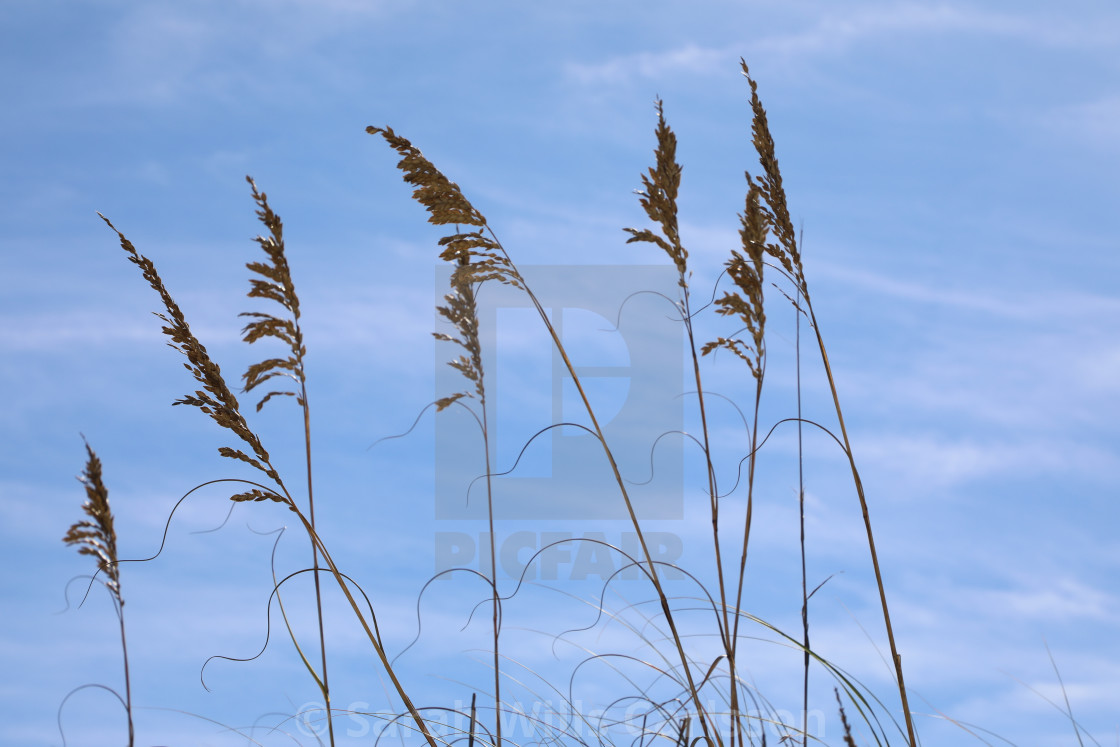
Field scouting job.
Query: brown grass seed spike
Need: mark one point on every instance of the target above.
(275, 284)
(97, 537)
(215, 398)
(773, 193)
(462, 312)
(659, 198)
(746, 273)
(479, 257)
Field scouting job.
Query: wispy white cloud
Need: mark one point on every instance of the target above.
(1098, 369)
(992, 300)
(988, 351)
(938, 462)
(1089, 123)
(397, 319)
(59, 331)
(161, 55)
(984, 300)
(837, 31)
(689, 60)
(840, 32)
(1060, 601)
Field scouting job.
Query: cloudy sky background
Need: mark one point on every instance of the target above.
(952, 166)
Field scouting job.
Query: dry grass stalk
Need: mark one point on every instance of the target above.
(787, 253)
(275, 284)
(476, 258)
(98, 538)
(215, 398)
(479, 257)
(462, 312)
(217, 401)
(661, 185)
(746, 273)
(848, 740)
(773, 193)
(659, 199)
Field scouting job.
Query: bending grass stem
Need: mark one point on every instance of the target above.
(725, 627)
(895, 656)
(496, 604)
(127, 677)
(654, 576)
(317, 541)
(325, 685)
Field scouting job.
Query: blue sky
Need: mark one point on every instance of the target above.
(952, 166)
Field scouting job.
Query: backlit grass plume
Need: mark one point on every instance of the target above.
(96, 536)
